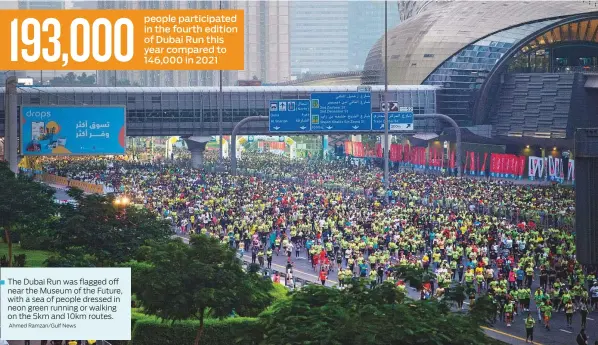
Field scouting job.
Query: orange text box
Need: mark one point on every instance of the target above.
(122, 40)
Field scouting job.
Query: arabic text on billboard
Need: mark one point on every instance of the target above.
(64, 131)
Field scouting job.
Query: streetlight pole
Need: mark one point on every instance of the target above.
(220, 130)
(386, 139)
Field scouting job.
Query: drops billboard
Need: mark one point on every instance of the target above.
(74, 130)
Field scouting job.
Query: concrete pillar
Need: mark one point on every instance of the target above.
(197, 157)
(197, 146)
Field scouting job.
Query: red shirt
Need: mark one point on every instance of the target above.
(322, 275)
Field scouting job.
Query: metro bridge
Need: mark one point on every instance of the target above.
(193, 111)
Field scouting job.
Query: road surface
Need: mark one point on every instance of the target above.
(559, 334)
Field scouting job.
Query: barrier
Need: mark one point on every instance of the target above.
(87, 187)
(54, 179)
(63, 181)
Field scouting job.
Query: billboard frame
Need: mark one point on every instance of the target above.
(20, 135)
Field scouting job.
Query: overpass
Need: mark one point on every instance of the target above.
(193, 111)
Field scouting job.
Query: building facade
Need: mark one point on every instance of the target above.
(334, 36)
(41, 5)
(266, 45)
(481, 54)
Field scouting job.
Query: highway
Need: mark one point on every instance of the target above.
(559, 334)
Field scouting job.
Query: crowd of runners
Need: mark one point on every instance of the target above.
(510, 240)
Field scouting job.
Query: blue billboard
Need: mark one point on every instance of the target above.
(342, 112)
(76, 130)
(289, 115)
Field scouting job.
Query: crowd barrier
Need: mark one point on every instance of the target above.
(87, 187)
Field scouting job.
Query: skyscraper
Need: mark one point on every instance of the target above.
(267, 51)
(366, 26)
(319, 37)
(335, 36)
(266, 45)
(41, 5)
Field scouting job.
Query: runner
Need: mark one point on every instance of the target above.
(529, 328)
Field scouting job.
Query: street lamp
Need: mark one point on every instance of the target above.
(122, 201)
(385, 98)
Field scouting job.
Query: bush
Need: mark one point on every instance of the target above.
(149, 330)
(35, 241)
(279, 292)
(19, 260)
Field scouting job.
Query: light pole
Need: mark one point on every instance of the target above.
(220, 130)
(384, 100)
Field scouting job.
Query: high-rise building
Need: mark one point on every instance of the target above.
(335, 36)
(9, 5)
(83, 4)
(41, 5)
(266, 45)
(319, 37)
(267, 51)
(366, 25)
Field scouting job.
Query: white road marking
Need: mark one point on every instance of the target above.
(562, 330)
(590, 319)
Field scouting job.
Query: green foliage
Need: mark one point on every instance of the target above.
(361, 316)
(183, 280)
(25, 203)
(72, 257)
(151, 331)
(19, 260)
(456, 293)
(107, 235)
(139, 272)
(279, 292)
(415, 276)
(483, 310)
(186, 281)
(35, 258)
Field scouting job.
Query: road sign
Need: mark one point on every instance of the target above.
(393, 106)
(289, 115)
(341, 112)
(398, 121)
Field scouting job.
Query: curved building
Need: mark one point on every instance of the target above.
(500, 63)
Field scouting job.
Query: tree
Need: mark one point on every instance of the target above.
(70, 78)
(188, 281)
(121, 82)
(361, 316)
(110, 234)
(85, 79)
(24, 203)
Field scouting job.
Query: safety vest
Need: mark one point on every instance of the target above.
(508, 308)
